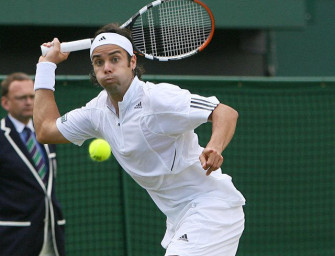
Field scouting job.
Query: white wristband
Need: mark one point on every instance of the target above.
(45, 76)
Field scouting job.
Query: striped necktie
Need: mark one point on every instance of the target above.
(36, 154)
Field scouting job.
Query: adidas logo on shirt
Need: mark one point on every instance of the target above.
(139, 105)
(183, 238)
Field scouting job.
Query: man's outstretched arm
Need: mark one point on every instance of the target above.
(45, 108)
(224, 119)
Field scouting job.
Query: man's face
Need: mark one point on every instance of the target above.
(112, 68)
(19, 101)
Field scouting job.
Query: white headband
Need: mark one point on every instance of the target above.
(112, 38)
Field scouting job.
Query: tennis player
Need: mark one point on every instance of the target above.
(150, 128)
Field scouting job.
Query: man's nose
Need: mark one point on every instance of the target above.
(108, 67)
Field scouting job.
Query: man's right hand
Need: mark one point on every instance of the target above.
(54, 55)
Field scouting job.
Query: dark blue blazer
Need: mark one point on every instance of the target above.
(25, 202)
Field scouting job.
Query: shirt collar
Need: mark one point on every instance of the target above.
(130, 94)
(19, 126)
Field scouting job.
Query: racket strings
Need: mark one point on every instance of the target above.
(173, 28)
(152, 37)
(186, 20)
(185, 35)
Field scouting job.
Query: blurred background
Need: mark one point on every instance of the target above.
(272, 60)
(252, 37)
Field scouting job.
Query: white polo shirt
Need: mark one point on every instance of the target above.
(153, 139)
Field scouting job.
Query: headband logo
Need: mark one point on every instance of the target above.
(112, 38)
(102, 38)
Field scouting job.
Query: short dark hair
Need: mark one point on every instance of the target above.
(17, 76)
(115, 28)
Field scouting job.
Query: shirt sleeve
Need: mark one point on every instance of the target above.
(77, 125)
(172, 110)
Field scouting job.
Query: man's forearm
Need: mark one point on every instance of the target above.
(224, 119)
(45, 108)
(45, 114)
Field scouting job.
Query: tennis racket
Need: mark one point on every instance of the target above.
(163, 30)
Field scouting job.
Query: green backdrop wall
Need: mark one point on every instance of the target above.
(281, 159)
(227, 13)
(299, 36)
(309, 51)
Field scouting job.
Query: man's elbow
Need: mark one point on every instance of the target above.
(224, 111)
(44, 133)
(235, 114)
(41, 137)
(231, 116)
(230, 113)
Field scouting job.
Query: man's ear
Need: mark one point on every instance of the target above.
(133, 62)
(4, 103)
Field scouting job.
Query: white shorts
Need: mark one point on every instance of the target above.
(209, 227)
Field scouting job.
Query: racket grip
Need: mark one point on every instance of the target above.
(70, 46)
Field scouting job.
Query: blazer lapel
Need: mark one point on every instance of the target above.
(18, 141)
(15, 140)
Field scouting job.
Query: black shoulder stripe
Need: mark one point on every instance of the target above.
(202, 100)
(203, 107)
(208, 104)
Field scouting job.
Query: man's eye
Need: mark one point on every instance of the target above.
(98, 63)
(115, 59)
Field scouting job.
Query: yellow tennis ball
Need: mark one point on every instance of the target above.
(99, 150)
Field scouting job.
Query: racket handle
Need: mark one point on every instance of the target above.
(70, 46)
